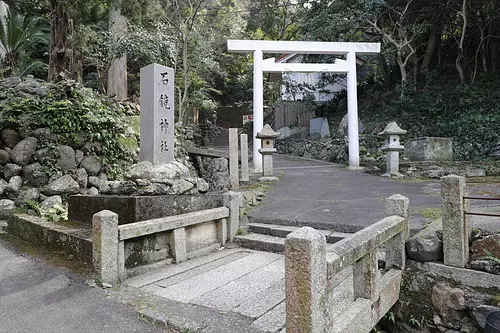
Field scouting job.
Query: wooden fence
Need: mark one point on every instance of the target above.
(292, 114)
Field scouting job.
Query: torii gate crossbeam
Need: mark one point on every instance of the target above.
(259, 47)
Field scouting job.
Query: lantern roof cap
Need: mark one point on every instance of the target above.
(392, 129)
(267, 133)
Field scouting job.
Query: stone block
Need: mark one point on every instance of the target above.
(456, 229)
(233, 159)
(105, 245)
(429, 149)
(305, 281)
(136, 208)
(178, 245)
(231, 201)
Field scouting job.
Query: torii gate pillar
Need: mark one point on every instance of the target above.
(348, 66)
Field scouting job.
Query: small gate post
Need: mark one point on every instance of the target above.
(456, 229)
(105, 245)
(305, 281)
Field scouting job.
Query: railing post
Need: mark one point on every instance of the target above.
(178, 244)
(222, 231)
(105, 245)
(456, 229)
(233, 159)
(398, 204)
(395, 253)
(305, 281)
(365, 277)
(231, 200)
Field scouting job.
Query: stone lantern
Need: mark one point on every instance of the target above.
(392, 146)
(268, 136)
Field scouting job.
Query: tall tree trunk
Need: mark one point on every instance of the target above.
(460, 53)
(402, 68)
(117, 73)
(430, 50)
(385, 70)
(59, 37)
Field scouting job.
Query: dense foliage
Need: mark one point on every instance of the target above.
(75, 113)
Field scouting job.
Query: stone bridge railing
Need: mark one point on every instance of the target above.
(339, 287)
(108, 238)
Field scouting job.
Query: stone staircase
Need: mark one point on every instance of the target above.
(271, 237)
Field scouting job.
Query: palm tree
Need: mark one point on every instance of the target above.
(17, 36)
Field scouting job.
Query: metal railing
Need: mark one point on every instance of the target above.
(480, 214)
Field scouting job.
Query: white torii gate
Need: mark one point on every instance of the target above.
(260, 66)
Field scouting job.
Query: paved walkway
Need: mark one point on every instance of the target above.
(328, 196)
(38, 298)
(233, 282)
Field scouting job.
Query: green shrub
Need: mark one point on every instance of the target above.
(69, 109)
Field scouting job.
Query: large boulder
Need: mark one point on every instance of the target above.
(43, 155)
(10, 137)
(10, 170)
(13, 187)
(81, 177)
(94, 181)
(63, 185)
(141, 170)
(180, 186)
(3, 185)
(30, 86)
(4, 157)
(65, 158)
(153, 189)
(31, 194)
(450, 304)
(481, 312)
(24, 150)
(217, 174)
(6, 208)
(77, 141)
(11, 82)
(91, 164)
(45, 134)
(425, 248)
(50, 202)
(127, 187)
(167, 173)
(202, 185)
(35, 175)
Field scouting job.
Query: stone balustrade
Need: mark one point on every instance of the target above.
(339, 287)
(188, 234)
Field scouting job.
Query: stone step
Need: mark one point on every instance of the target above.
(283, 231)
(261, 242)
